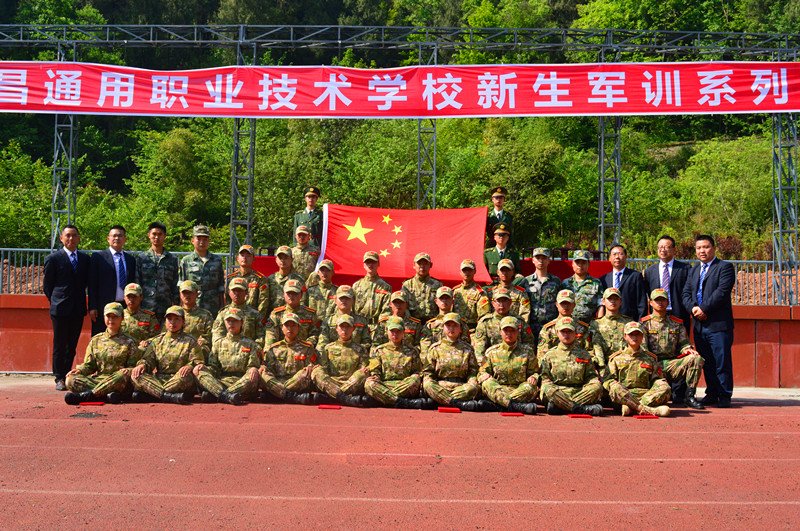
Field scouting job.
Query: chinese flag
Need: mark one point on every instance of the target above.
(449, 236)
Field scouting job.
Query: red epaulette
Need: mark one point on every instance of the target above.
(414, 319)
(679, 321)
(232, 274)
(614, 354)
(259, 274)
(582, 323)
(279, 308)
(148, 312)
(384, 318)
(381, 291)
(312, 310)
(305, 343)
(519, 288)
(551, 323)
(645, 318)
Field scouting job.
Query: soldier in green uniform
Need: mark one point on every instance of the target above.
(434, 328)
(510, 375)
(588, 290)
(304, 254)
(307, 320)
(105, 371)
(471, 301)
(256, 282)
(277, 280)
(501, 251)
(172, 356)
(157, 273)
(288, 363)
(372, 292)
(398, 306)
(665, 336)
(634, 379)
(497, 214)
(206, 269)
(232, 370)
(343, 366)
(197, 321)
(548, 336)
(520, 303)
(606, 332)
(542, 289)
(311, 216)
(421, 289)
(488, 331)
(345, 297)
(395, 371)
(321, 294)
(138, 323)
(254, 325)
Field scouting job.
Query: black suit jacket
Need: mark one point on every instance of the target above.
(717, 288)
(677, 280)
(63, 286)
(103, 278)
(633, 290)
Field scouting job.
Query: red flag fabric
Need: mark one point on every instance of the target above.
(448, 236)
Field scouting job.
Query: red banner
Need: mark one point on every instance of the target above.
(448, 236)
(412, 92)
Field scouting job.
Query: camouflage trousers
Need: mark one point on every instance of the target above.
(389, 391)
(158, 384)
(565, 396)
(100, 385)
(233, 383)
(656, 395)
(277, 387)
(443, 391)
(354, 385)
(501, 394)
(688, 367)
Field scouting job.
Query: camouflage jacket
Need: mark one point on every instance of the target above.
(606, 334)
(141, 325)
(328, 333)
(451, 360)
(257, 290)
(341, 359)
(209, 275)
(634, 370)
(309, 325)
(106, 354)
(520, 304)
(158, 276)
(665, 337)
(198, 324)
(283, 360)
(321, 298)
(412, 334)
(511, 365)
(234, 355)
(304, 259)
(390, 363)
(471, 303)
(548, 338)
(254, 325)
(568, 365)
(372, 298)
(276, 281)
(588, 297)
(168, 352)
(542, 295)
(488, 334)
(422, 297)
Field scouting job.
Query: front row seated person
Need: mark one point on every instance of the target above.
(394, 368)
(343, 366)
(634, 379)
(570, 383)
(286, 369)
(105, 371)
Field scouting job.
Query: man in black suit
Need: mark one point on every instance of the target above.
(66, 273)
(708, 294)
(110, 270)
(629, 283)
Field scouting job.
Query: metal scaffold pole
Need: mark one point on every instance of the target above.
(426, 149)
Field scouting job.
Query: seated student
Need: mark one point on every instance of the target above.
(232, 370)
(665, 337)
(634, 379)
(321, 291)
(395, 371)
(549, 337)
(398, 306)
(570, 383)
(172, 355)
(138, 323)
(510, 374)
(606, 332)
(306, 317)
(342, 367)
(286, 369)
(345, 298)
(488, 333)
(253, 324)
(105, 370)
(450, 370)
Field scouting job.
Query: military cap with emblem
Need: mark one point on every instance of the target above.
(246, 248)
(541, 251)
(499, 190)
(580, 254)
(565, 295)
(467, 264)
(134, 288)
(502, 228)
(565, 323)
(292, 286)
(312, 190)
(422, 256)
(444, 291)
(283, 249)
(289, 316)
(188, 285)
(237, 283)
(371, 255)
(175, 310)
(611, 291)
(201, 230)
(345, 291)
(113, 308)
(658, 292)
(631, 327)
(302, 229)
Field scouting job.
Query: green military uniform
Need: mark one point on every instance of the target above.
(254, 325)
(542, 296)
(166, 354)
(209, 273)
(312, 220)
(666, 338)
(141, 325)
(308, 320)
(257, 290)
(492, 257)
(328, 332)
(343, 368)
(103, 367)
(588, 297)
(450, 371)
(606, 334)
(422, 297)
(198, 324)
(232, 356)
(520, 304)
(158, 277)
(471, 303)
(394, 373)
(320, 297)
(548, 337)
(492, 219)
(569, 378)
(304, 259)
(285, 367)
(372, 299)
(635, 377)
(510, 372)
(276, 282)
(488, 334)
(412, 331)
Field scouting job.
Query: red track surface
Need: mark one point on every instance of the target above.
(276, 466)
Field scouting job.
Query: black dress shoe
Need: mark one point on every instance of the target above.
(709, 400)
(724, 402)
(61, 385)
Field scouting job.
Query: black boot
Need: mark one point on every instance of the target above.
(528, 408)
(595, 410)
(410, 403)
(466, 405)
(321, 399)
(73, 399)
(140, 397)
(368, 401)
(207, 398)
(690, 400)
(349, 400)
(305, 399)
(234, 399)
(488, 406)
(173, 398)
(553, 409)
(114, 397)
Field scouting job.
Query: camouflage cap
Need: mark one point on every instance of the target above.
(541, 251)
(345, 319)
(399, 296)
(582, 255)
(302, 229)
(234, 313)
(345, 291)
(237, 283)
(565, 323)
(371, 255)
(328, 264)
(175, 310)
(611, 291)
(468, 264)
(509, 322)
(501, 293)
(659, 293)
(311, 190)
(451, 317)
(505, 263)
(283, 249)
(201, 230)
(395, 323)
(422, 256)
(113, 307)
(188, 285)
(247, 248)
(502, 228)
(631, 327)
(444, 291)
(565, 295)
(136, 289)
(499, 190)
(292, 286)
(289, 316)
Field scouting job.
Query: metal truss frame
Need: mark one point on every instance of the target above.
(609, 167)
(426, 146)
(65, 149)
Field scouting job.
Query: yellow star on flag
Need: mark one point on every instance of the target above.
(396, 244)
(387, 219)
(384, 253)
(357, 231)
(397, 229)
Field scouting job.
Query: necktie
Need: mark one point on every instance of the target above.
(665, 279)
(74, 259)
(703, 271)
(502, 253)
(617, 277)
(123, 278)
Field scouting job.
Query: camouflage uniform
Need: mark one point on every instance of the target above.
(471, 303)
(569, 377)
(198, 324)
(666, 338)
(321, 297)
(488, 334)
(394, 373)
(309, 325)
(606, 334)
(231, 357)
(588, 297)
(304, 259)
(277, 282)
(166, 354)
(635, 377)
(422, 297)
(372, 299)
(285, 367)
(450, 371)
(328, 332)
(507, 371)
(520, 304)
(158, 276)
(257, 290)
(254, 325)
(548, 338)
(209, 275)
(141, 325)
(412, 332)
(542, 296)
(103, 367)
(342, 368)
